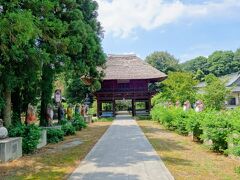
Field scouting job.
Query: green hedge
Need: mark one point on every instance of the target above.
(221, 127)
(54, 135)
(30, 134)
(79, 123)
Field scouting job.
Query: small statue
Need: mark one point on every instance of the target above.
(77, 109)
(82, 110)
(49, 115)
(69, 112)
(186, 105)
(178, 104)
(61, 113)
(199, 106)
(86, 110)
(31, 117)
(169, 104)
(3, 130)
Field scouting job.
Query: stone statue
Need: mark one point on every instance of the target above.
(3, 130)
(69, 112)
(178, 104)
(77, 109)
(31, 117)
(82, 110)
(61, 113)
(49, 114)
(186, 105)
(199, 106)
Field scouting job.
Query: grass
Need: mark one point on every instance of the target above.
(107, 119)
(186, 159)
(141, 117)
(54, 163)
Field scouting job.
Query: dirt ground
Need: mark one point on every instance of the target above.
(186, 159)
(53, 161)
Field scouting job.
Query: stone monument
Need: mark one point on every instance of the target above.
(10, 148)
(3, 130)
(186, 105)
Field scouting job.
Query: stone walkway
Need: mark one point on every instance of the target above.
(123, 153)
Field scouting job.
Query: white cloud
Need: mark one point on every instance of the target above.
(122, 17)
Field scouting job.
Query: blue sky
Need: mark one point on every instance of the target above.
(184, 28)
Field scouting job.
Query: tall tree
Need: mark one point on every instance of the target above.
(18, 31)
(179, 86)
(221, 63)
(198, 63)
(163, 61)
(215, 92)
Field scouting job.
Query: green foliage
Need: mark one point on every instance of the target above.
(163, 61)
(54, 135)
(218, 63)
(143, 117)
(179, 86)
(108, 119)
(215, 92)
(63, 122)
(216, 128)
(233, 140)
(79, 123)
(219, 127)
(30, 134)
(68, 129)
(199, 63)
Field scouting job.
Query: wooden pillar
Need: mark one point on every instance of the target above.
(99, 108)
(114, 108)
(133, 107)
(149, 105)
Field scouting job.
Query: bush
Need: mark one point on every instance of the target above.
(79, 123)
(30, 134)
(216, 127)
(63, 122)
(143, 117)
(68, 129)
(54, 135)
(106, 119)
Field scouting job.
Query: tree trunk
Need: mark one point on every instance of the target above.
(7, 108)
(46, 95)
(16, 106)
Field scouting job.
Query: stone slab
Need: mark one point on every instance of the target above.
(52, 127)
(122, 153)
(88, 119)
(10, 149)
(43, 139)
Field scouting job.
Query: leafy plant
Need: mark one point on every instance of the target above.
(68, 129)
(54, 135)
(79, 123)
(30, 134)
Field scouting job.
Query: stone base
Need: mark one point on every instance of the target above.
(52, 127)
(43, 139)
(208, 142)
(88, 119)
(10, 149)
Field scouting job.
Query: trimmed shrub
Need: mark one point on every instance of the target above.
(54, 135)
(79, 123)
(63, 122)
(68, 129)
(216, 127)
(30, 134)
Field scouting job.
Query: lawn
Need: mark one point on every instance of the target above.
(186, 159)
(52, 162)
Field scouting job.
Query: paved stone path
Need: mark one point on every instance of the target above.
(123, 153)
